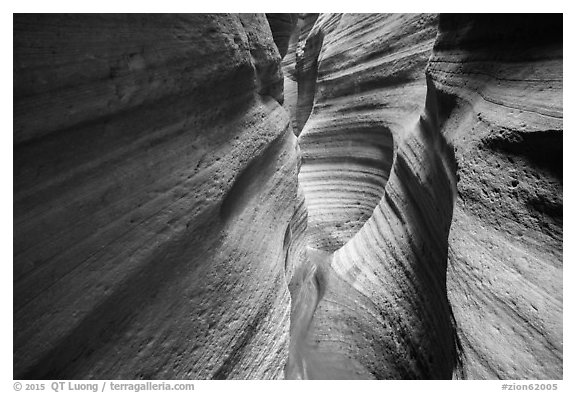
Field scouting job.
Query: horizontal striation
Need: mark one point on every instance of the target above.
(302, 196)
(388, 281)
(138, 144)
(407, 292)
(498, 83)
(374, 303)
(368, 92)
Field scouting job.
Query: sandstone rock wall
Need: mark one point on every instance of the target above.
(282, 26)
(498, 79)
(370, 90)
(378, 224)
(305, 196)
(395, 294)
(145, 149)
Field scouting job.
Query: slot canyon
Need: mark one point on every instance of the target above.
(288, 196)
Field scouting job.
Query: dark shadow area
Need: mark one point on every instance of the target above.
(487, 31)
(542, 148)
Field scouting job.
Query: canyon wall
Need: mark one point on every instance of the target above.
(146, 147)
(498, 79)
(302, 196)
(379, 182)
(436, 221)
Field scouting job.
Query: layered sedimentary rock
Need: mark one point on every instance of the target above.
(297, 82)
(377, 231)
(396, 294)
(498, 79)
(287, 196)
(145, 150)
(370, 89)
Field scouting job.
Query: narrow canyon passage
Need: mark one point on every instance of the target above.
(342, 326)
(383, 246)
(288, 196)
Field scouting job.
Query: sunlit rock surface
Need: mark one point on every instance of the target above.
(394, 294)
(302, 196)
(381, 309)
(369, 90)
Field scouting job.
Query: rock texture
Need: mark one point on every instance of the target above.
(298, 85)
(370, 90)
(377, 231)
(282, 26)
(485, 157)
(498, 79)
(145, 150)
(303, 196)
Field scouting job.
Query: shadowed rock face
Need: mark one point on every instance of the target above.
(282, 26)
(370, 90)
(312, 196)
(146, 149)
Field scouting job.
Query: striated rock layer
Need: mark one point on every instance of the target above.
(145, 149)
(309, 196)
(395, 293)
(498, 79)
(370, 89)
(378, 224)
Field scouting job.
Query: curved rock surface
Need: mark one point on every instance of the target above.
(370, 89)
(494, 93)
(299, 81)
(499, 83)
(308, 196)
(146, 147)
(282, 26)
(379, 311)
